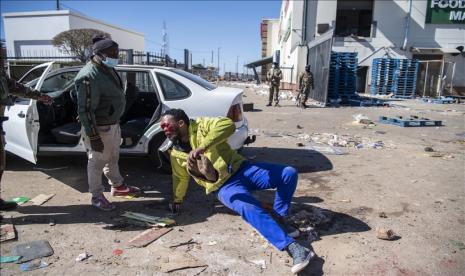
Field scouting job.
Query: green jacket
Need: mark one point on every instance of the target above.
(211, 134)
(100, 95)
(9, 86)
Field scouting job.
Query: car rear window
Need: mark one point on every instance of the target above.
(198, 80)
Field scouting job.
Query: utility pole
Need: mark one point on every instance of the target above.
(219, 60)
(237, 66)
(224, 68)
(212, 59)
(58, 5)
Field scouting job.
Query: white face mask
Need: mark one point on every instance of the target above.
(110, 62)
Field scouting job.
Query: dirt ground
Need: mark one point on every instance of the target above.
(422, 198)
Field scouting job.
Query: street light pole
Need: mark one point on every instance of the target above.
(237, 67)
(219, 61)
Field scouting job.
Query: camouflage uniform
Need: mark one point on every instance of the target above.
(8, 86)
(274, 77)
(305, 84)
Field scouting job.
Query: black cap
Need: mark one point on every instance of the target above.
(101, 43)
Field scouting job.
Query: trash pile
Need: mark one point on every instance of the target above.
(345, 140)
(309, 219)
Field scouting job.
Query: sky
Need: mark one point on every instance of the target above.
(201, 26)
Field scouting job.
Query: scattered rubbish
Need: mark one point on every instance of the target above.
(299, 127)
(460, 245)
(440, 155)
(83, 256)
(363, 120)
(440, 100)
(359, 146)
(382, 215)
(385, 234)
(300, 144)
(247, 107)
(345, 200)
(309, 218)
(41, 199)
(32, 250)
(211, 243)
(429, 149)
(7, 232)
(322, 148)
(32, 265)
(259, 263)
(20, 200)
(180, 261)
(117, 252)
(189, 242)
(412, 121)
(155, 221)
(49, 169)
(377, 145)
(9, 259)
(380, 132)
(147, 237)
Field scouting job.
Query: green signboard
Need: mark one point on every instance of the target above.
(445, 12)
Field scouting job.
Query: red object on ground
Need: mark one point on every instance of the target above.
(117, 252)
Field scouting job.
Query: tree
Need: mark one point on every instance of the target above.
(77, 42)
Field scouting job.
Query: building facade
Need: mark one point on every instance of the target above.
(31, 33)
(269, 29)
(420, 29)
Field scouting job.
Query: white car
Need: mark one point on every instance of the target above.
(34, 128)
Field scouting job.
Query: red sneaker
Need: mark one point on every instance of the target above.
(124, 190)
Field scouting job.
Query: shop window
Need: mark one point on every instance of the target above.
(354, 18)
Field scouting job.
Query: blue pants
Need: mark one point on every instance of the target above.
(235, 194)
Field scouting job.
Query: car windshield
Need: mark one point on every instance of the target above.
(198, 80)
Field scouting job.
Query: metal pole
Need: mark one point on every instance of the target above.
(452, 80)
(58, 5)
(219, 60)
(426, 79)
(237, 66)
(440, 78)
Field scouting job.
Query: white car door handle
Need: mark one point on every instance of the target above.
(21, 114)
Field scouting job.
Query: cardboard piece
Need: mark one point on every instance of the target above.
(147, 237)
(32, 250)
(41, 199)
(7, 232)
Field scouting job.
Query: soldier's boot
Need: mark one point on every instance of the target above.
(269, 104)
(277, 104)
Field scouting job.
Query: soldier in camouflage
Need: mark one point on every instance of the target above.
(305, 84)
(274, 77)
(8, 88)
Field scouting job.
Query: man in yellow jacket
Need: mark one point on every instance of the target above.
(234, 178)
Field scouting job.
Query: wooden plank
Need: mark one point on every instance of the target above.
(147, 237)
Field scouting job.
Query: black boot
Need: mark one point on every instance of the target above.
(269, 104)
(7, 205)
(301, 256)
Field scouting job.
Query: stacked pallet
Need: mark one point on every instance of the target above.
(342, 76)
(394, 76)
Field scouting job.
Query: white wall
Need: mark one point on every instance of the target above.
(126, 39)
(36, 31)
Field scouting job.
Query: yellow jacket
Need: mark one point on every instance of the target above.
(211, 134)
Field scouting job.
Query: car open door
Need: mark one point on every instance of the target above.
(22, 126)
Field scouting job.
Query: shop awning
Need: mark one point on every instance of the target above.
(426, 50)
(260, 62)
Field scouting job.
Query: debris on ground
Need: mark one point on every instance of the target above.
(259, 263)
(41, 199)
(181, 261)
(211, 243)
(460, 245)
(117, 252)
(7, 232)
(153, 220)
(382, 215)
(429, 149)
(345, 200)
(322, 148)
(9, 259)
(189, 242)
(308, 220)
(20, 200)
(312, 234)
(32, 265)
(83, 256)
(300, 144)
(363, 120)
(344, 140)
(32, 250)
(385, 234)
(148, 236)
(299, 127)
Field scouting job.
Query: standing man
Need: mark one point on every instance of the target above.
(7, 87)
(226, 173)
(101, 103)
(274, 78)
(305, 84)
